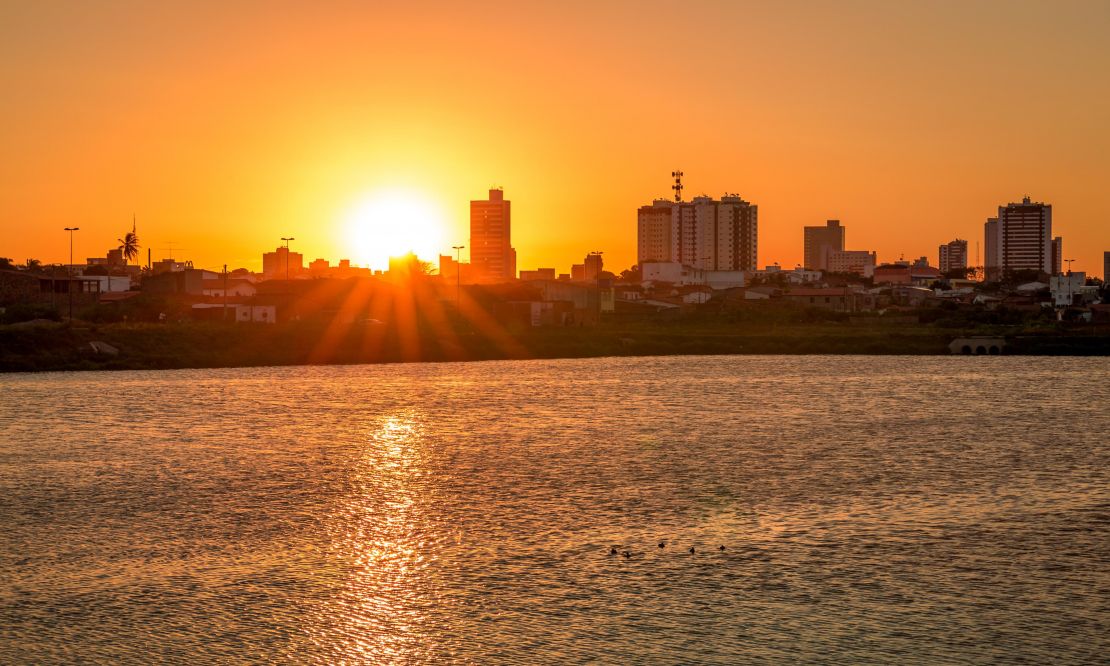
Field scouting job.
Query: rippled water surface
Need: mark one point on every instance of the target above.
(872, 509)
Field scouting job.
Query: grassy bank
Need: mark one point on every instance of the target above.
(199, 345)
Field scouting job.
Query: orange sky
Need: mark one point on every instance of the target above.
(225, 126)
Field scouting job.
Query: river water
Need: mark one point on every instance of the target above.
(872, 510)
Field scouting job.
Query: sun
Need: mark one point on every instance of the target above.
(393, 222)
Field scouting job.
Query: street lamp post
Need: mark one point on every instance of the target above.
(69, 271)
(1071, 298)
(287, 255)
(458, 273)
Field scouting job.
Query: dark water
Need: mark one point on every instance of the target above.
(873, 509)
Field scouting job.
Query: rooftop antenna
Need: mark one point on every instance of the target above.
(170, 248)
(677, 187)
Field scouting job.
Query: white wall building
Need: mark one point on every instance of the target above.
(1065, 288)
(110, 282)
(681, 276)
(265, 314)
(861, 262)
(705, 234)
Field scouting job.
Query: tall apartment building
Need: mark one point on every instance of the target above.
(1057, 255)
(820, 241)
(991, 265)
(1106, 266)
(653, 231)
(704, 233)
(492, 257)
(953, 255)
(280, 263)
(1020, 238)
(592, 266)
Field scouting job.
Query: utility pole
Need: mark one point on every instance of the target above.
(69, 272)
(1071, 299)
(225, 293)
(458, 273)
(287, 255)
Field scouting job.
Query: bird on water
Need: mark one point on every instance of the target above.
(692, 551)
(721, 548)
(662, 544)
(627, 554)
(613, 550)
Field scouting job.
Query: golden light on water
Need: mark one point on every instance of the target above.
(380, 531)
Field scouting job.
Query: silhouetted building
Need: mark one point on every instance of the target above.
(492, 256)
(281, 263)
(1023, 237)
(991, 263)
(23, 288)
(538, 274)
(1106, 266)
(187, 281)
(592, 265)
(820, 241)
(1057, 255)
(454, 271)
(113, 259)
(704, 233)
(170, 266)
(953, 255)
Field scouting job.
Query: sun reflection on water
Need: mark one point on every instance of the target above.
(378, 530)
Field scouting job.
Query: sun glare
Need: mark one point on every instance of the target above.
(392, 223)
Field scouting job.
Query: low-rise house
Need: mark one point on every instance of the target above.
(840, 299)
(27, 288)
(187, 281)
(235, 288)
(256, 313)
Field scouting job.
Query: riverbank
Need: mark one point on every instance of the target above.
(55, 346)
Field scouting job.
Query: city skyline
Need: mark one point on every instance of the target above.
(169, 112)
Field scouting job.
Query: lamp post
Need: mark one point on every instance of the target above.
(458, 273)
(69, 272)
(1071, 298)
(287, 254)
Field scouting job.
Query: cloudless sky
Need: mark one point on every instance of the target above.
(226, 125)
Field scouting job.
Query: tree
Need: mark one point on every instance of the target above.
(6, 262)
(33, 264)
(631, 275)
(129, 244)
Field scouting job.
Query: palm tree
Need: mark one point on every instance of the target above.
(130, 243)
(33, 264)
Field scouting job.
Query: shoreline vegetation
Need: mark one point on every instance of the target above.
(55, 346)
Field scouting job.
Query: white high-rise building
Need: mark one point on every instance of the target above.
(706, 233)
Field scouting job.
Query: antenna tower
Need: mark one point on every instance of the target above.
(677, 187)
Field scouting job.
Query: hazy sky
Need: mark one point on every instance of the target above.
(226, 125)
